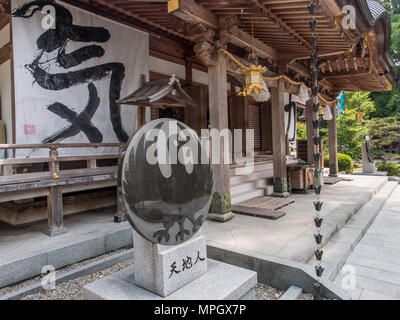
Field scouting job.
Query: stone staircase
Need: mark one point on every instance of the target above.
(256, 184)
(343, 242)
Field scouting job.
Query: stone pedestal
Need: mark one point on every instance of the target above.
(221, 282)
(163, 270)
(368, 167)
(180, 272)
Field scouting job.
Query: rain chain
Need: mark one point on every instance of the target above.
(317, 150)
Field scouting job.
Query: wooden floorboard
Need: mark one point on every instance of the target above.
(332, 180)
(263, 207)
(258, 212)
(271, 203)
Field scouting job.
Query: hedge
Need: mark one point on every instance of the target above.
(345, 163)
(391, 168)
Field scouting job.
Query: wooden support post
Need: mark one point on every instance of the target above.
(119, 216)
(92, 164)
(279, 140)
(266, 128)
(189, 72)
(221, 208)
(55, 200)
(333, 146)
(310, 130)
(7, 170)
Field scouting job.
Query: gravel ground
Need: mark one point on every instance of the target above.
(306, 297)
(72, 290)
(264, 292)
(31, 281)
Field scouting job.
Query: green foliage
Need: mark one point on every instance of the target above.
(383, 132)
(301, 131)
(388, 102)
(351, 134)
(345, 163)
(391, 168)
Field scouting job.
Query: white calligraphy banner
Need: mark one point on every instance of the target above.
(70, 66)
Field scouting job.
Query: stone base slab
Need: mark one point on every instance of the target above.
(280, 195)
(221, 282)
(55, 232)
(220, 217)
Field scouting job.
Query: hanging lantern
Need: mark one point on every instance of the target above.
(254, 80)
(303, 93)
(321, 111)
(327, 114)
(264, 94)
(359, 116)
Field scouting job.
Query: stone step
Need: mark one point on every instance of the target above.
(247, 196)
(266, 174)
(343, 242)
(248, 187)
(293, 293)
(302, 248)
(259, 166)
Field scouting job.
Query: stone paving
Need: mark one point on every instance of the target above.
(18, 241)
(291, 237)
(376, 259)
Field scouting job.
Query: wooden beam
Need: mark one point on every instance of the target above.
(300, 69)
(282, 24)
(194, 13)
(4, 20)
(5, 53)
(242, 39)
(191, 11)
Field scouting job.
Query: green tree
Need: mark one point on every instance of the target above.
(383, 132)
(351, 134)
(388, 103)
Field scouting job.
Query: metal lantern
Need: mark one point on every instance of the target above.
(254, 80)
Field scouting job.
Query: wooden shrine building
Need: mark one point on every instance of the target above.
(206, 43)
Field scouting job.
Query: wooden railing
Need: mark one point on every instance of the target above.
(51, 181)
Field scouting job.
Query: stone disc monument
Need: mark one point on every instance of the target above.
(167, 191)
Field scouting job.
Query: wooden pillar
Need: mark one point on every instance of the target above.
(221, 208)
(119, 216)
(55, 220)
(310, 130)
(279, 140)
(189, 72)
(196, 117)
(239, 119)
(333, 145)
(266, 128)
